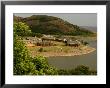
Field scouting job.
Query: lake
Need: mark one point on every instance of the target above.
(69, 62)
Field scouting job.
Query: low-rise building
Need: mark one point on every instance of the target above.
(75, 43)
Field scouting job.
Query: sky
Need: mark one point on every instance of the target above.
(80, 19)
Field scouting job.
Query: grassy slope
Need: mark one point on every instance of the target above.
(52, 25)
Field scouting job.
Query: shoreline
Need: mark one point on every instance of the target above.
(70, 54)
(85, 50)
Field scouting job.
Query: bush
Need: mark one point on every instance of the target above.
(81, 70)
(40, 50)
(21, 29)
(85, 43)
(24, 68)
(23, 64)
(63, 72)
(51, 71)
(40, 62)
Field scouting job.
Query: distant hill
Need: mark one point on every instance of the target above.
(93, 29)
(18, 19)
(52, 25)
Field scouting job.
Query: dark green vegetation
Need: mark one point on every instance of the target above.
(43, 24)
(24, 64)
(79, 70)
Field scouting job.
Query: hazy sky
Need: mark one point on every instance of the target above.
(80, 19)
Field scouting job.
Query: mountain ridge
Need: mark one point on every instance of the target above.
(52, 25)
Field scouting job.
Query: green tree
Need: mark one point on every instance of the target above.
(21, 29)
(24, 64)
(40, 62)
(22, 61)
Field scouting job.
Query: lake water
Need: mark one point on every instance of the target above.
(69, 62)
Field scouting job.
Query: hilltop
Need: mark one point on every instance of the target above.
(52, 25)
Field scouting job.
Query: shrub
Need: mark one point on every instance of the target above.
(21, 29)
(40, 62)
(40, 50)
(81, 70)
(63, 72)
(23, 64)
(85, 43)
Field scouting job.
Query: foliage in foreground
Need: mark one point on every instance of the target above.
(24, 64)
(79, 70)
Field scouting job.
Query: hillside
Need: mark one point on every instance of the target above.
(93, 29)
(52, 25)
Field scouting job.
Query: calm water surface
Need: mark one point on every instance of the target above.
(68, 62)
